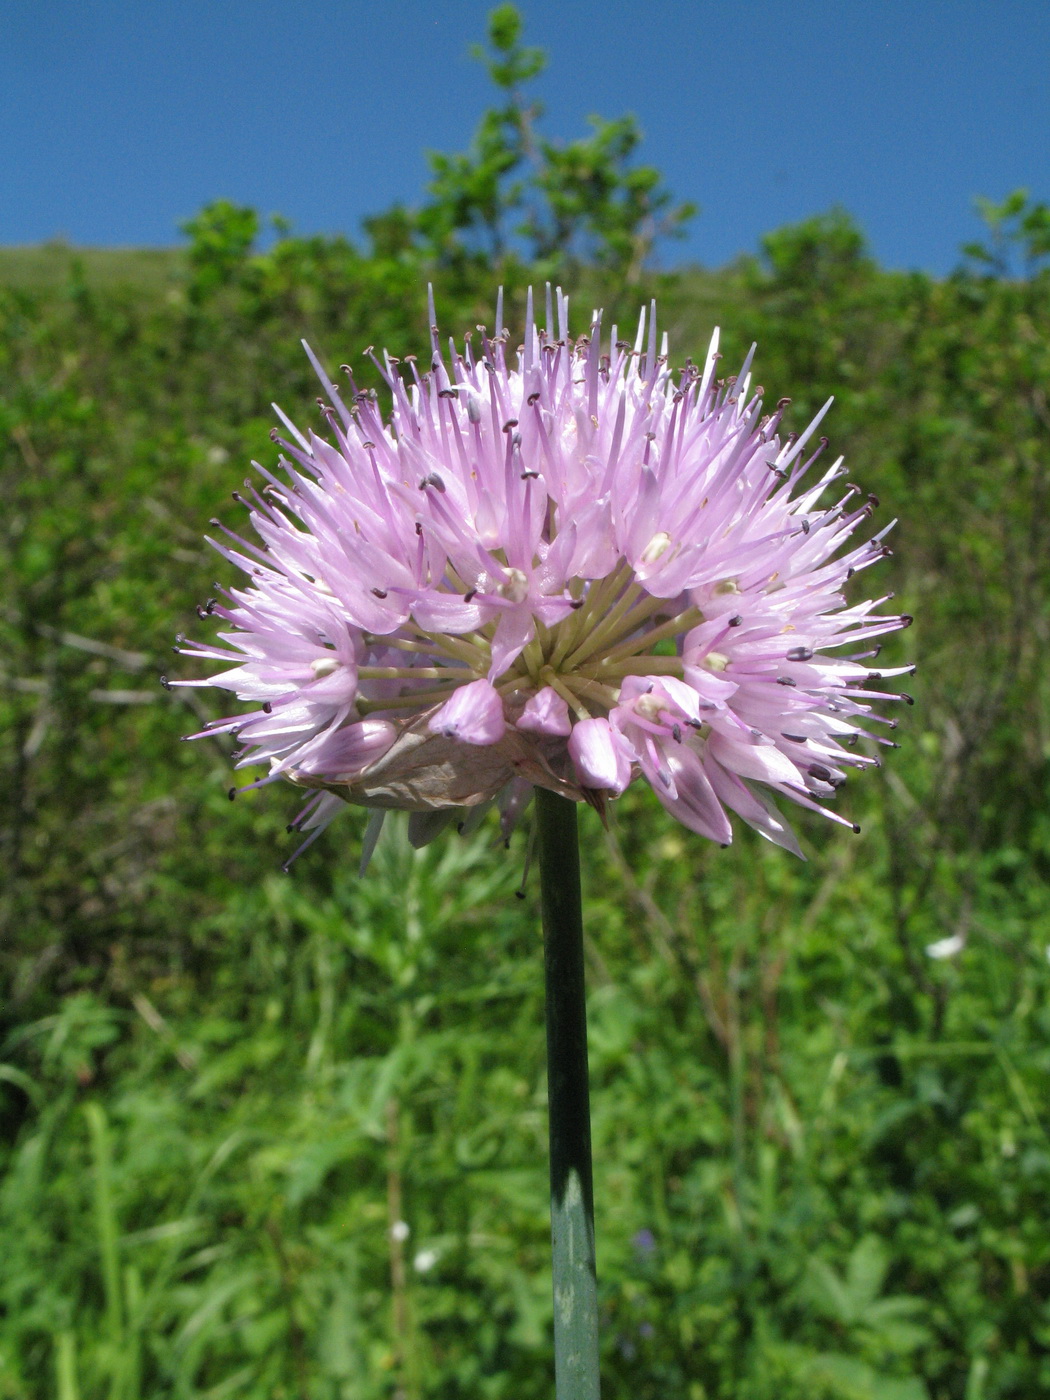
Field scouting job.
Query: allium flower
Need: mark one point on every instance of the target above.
(568, 566)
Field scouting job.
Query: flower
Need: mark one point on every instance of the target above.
(570, 566)
(644, 1242)
(946, 947)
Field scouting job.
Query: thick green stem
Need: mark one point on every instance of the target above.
(572, 1191)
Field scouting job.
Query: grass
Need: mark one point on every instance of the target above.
(46, 266)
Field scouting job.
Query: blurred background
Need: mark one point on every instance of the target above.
(269, 1136)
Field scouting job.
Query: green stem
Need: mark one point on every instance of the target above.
(108, 1237)
(572, 1191)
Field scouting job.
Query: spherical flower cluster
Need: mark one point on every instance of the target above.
(568, 566)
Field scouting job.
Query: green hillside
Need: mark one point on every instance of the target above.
(49, 267)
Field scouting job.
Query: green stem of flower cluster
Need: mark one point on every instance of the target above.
(572, 1191)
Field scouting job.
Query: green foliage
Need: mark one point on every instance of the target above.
(1016, 226)
(598, 209)
(822, 1162)
(515, 195)
(221, 237)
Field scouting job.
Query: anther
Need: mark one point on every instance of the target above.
(509, 424)
(267, 707)
(793, 738)
(676, 733)
(432, 479)
(232, 793)
(799, 654)
(735, 620)
(166, 683)
(379, 592)
(470, 594)
(576, 604)
(785, 680)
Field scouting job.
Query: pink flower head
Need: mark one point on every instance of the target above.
(567, 565)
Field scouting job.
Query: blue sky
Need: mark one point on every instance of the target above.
(121, 117)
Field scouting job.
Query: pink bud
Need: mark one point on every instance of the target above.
(350, 750)
(545, 713)
(602, 755)
(474, 715)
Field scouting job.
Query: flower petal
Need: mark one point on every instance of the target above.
(602, 756)
(474, 715)
(545, 713)
(692, 799)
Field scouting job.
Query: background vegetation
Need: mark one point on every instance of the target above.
(269, 1136)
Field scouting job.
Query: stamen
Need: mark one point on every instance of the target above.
(549, 677)
(397, 673)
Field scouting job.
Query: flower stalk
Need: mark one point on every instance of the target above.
(572, 1191)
